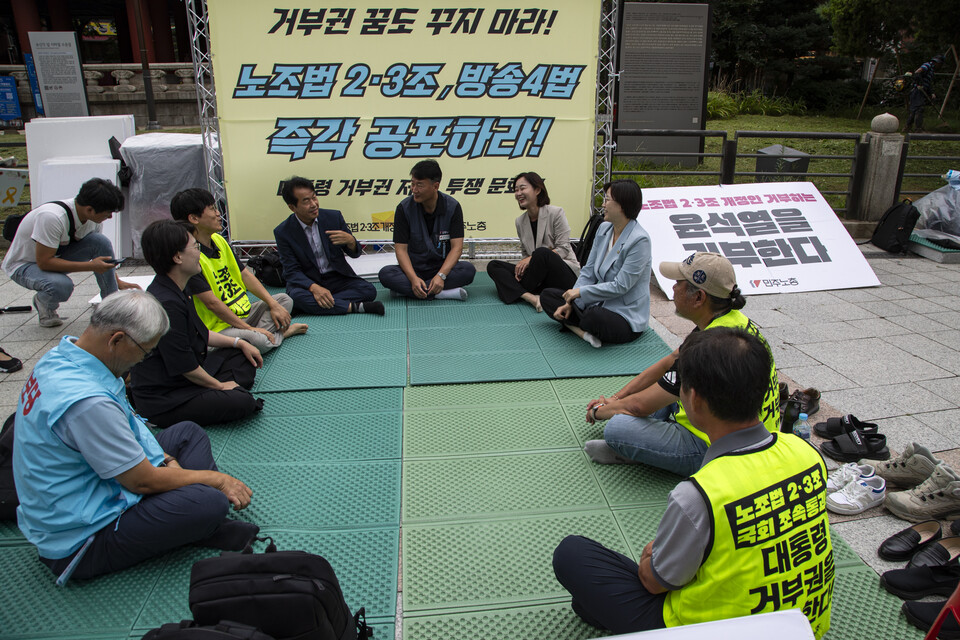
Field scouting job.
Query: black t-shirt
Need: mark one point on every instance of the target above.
(533, 227)
(401, 226)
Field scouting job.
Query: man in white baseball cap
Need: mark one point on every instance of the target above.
(647, 422)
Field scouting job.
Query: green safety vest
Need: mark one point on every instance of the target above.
(223, 276)
(770, 411)
(770, 547)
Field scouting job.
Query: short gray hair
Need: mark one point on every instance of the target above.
(135, 312)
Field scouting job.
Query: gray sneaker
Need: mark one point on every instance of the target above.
(47, 317)
(912, 467)
(938, 497)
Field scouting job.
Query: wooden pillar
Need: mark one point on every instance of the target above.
(162, 34)
(59, 14)
(147, 32)
(27, 19)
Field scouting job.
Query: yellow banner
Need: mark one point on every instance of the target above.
(352, 96)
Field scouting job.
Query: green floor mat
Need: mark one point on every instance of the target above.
(361, 344)
(478, 366)
(493, 563)
(387, 370)
(488, 394)
(333, 401)
(365, 563)
(577, 417)
(461, 431)
(328, 438)
(319, 497)
(32, 606)
(639, 526)
(573, 390)
(545, 622)
(581, 359)
(498, 486)
(462, 315)
(861, 604)
(627, 485)
(490, 339)
(843, 554)
(394, 317)
(10, 533)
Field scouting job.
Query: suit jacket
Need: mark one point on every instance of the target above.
(299, 264)
(618, 279)
(553, 232)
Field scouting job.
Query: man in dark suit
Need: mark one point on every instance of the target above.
(312, 243)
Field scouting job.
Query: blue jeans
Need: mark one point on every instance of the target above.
(656, 440)
(54, 287)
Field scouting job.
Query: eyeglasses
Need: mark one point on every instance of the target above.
(146, 354)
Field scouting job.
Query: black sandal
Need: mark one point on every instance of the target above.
(853, 446)
(11, 365)
(835, 426)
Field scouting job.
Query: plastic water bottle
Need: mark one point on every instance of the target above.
(801, 427)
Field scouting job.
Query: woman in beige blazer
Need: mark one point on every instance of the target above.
(548, 259)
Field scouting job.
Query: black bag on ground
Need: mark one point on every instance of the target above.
(8, 492)
(190, 630)
(290, 595)
(894, 229)
(268, 268)
(582, 247)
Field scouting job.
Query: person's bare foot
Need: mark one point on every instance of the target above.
(533, 300)
(295, 329)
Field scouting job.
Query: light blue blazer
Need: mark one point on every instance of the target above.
(618, 279)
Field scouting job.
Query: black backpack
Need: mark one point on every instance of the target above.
(894, 229)
(290, 595)
(190, 630)
(12, 223)
(268, 268)
(582, 247)
(8, 492)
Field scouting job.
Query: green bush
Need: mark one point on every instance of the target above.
(721, 105)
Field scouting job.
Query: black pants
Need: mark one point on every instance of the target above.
(546, 270)
(345, 290)
(195, 513)
(393, 278)
(606, 589)
(210, 406)
(605, 325)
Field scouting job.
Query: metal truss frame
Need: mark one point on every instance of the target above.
(199, 20)
(604, 145)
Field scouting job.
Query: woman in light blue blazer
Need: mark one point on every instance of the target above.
(610, 301)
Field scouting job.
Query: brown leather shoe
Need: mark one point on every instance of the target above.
(809, 400)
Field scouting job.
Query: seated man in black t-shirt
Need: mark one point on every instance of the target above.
(428, 240)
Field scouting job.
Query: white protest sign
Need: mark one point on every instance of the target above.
(12, 182)
(781, 237)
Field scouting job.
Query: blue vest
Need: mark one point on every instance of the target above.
(426, 250)
(62, 499)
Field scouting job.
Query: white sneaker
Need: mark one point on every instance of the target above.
(47, 317)
(848, 473)
(858, 496)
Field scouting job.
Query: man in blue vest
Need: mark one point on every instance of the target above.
(746, 534)
(98, 492)
(428, 240)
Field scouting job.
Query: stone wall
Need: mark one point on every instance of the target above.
(115, 89)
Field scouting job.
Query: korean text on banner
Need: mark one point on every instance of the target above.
(351, 96)
(781, 237)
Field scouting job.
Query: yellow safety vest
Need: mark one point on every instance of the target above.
(223, 276)
(770, 411)
(770, 547)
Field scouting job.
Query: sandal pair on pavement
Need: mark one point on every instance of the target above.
(852, 439)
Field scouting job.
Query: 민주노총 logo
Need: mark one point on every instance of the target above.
(775, 282)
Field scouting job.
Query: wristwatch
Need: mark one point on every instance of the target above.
(442, 275)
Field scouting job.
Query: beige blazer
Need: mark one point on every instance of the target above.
(553, 232)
